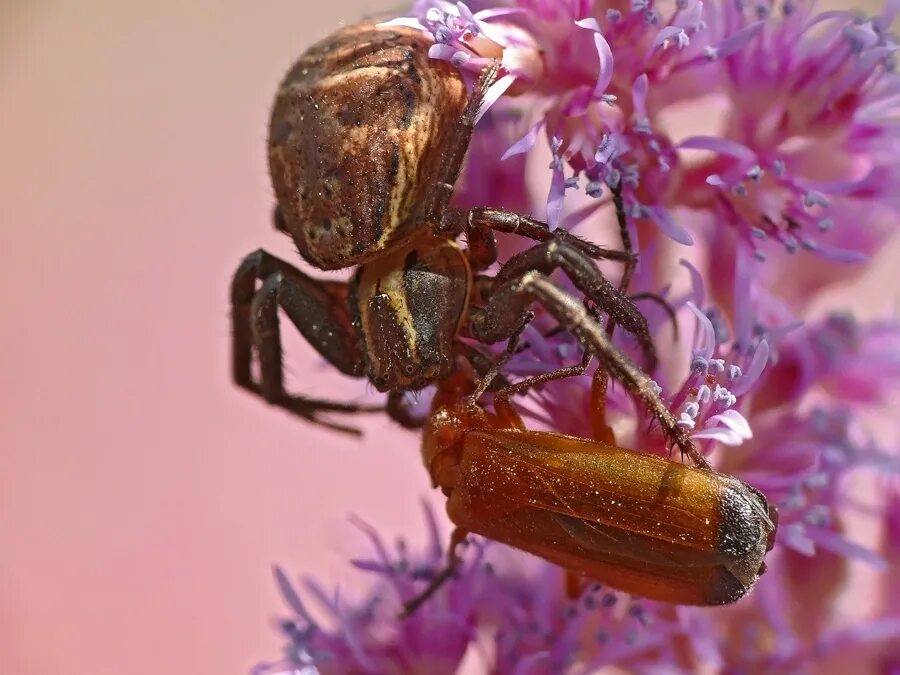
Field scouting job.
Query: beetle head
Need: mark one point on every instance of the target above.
(442, 443)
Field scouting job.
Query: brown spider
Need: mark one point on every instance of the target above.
(366, 141)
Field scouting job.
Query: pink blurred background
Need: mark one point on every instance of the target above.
(143, 498)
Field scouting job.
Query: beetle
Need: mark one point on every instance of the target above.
(366, 141)
(637, 522)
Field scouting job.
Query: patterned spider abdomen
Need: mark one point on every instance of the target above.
(356, 138)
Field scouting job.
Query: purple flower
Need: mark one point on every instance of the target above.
(859, 363)
(368, 636)
(786, 183)
(809, 134)
(539, 629)
(807, 158)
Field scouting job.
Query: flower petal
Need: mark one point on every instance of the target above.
(494, 92)
(705, 338)
(408, 21)
(639, 95)
(749, 378)
(839, 255)
(698, 294)
(836, 543)
(604, 53)
(290, 595)
(665, 35)
(667, 225)
(737, 41)
(733, 420)
(723, 435)
(721, 146)
(794, 536)
(555, 198)
(525, 143)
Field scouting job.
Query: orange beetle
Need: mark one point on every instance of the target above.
(634, 521)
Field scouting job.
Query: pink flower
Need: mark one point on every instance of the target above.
(806, 161)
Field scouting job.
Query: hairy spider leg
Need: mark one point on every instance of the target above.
(319, 311)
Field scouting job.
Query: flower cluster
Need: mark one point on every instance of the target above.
(755, 141)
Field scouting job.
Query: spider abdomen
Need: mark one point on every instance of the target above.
(356, 138)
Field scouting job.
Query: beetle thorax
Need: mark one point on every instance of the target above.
(442, 443)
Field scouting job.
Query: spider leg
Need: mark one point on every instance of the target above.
(627, 244)
(278, 220)
(576, 318)
(319, 311)
(445, 220)
(503, 312)
(398, 410)
(454, 153)
(503, 395)
(500, 220)
(662, 303)
(488, 379)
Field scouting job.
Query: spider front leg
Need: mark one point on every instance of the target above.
(574, 317)
(454, 153)
(435, 207)
(505, 309)
(500, 220)
(319, 311)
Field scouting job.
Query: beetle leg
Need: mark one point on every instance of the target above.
(600, 428)
(453, 562)
(319, 311)
(576, 318)
(500, 318)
